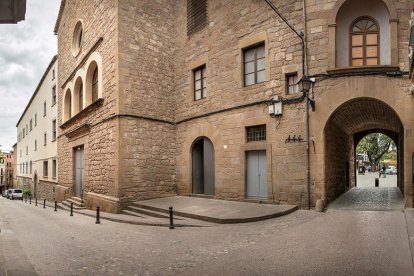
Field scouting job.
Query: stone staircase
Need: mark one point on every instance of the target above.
(142, 211)
(77, 203)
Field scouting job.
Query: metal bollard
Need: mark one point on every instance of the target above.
(97, 215)
(171, 217)
(30, 200)
(12, 198)
(71, 209)
(44, 203)
(376, 182)
(55, 205)
(36, 201)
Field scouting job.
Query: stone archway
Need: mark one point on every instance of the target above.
(346, 126)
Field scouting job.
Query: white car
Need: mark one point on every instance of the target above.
(391, 170)
(16, 193)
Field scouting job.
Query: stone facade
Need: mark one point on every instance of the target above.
(138, 136)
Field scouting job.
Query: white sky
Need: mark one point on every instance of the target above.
(26, 49)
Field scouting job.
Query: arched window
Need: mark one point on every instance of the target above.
(67, 105)
(364, 37)
(80, 97)
(95, 85)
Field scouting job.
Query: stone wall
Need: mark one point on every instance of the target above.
(100, 20)
(146, 87)
(147, 163)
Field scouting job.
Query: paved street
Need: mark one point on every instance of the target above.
(368, 180)
(337, 242)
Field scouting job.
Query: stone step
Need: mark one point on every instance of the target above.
(141, 211)
(77, 204)
(131, 213)
(76, 199)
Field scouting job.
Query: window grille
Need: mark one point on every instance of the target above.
(256, 133)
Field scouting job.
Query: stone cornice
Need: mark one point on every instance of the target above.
(86, 110)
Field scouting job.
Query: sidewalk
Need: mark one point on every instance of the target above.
(409, 218)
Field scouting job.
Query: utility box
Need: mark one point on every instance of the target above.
(275, 108)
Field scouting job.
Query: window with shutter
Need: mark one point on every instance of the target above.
(196, 15)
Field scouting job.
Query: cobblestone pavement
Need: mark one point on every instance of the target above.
(336, 242)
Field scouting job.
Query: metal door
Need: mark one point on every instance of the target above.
(256, 174)
(198, 168)
(79, 171)
(203, 175)
(208, 156)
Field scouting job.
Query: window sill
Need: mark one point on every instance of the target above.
(253, 85)
(363, 69)
(98, 102)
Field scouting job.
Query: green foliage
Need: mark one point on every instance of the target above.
(376, 145)
(27, 193)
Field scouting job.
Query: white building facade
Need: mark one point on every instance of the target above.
(36, 154)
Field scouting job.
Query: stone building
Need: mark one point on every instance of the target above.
(173, 97)
(37, 138)
(3, 186)
(9, 164)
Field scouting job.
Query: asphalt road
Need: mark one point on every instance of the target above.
(337, 242)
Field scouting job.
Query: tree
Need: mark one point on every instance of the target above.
(375, 145)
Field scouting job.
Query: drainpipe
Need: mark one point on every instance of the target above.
(304, 73)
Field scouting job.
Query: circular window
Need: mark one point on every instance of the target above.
(77, 38)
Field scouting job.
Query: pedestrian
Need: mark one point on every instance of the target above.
(383, 171)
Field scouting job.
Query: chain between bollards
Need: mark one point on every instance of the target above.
(171, 217)
(97, 215)
(55, 205)
(71, 209)
(44, 203)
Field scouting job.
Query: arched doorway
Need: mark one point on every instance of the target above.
(347, 125)
(203, 173)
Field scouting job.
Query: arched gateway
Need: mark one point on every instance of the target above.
(203, 175)
(348, 111)
(347, 125)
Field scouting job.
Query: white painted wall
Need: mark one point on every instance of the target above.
(44, 125)
(353, 9)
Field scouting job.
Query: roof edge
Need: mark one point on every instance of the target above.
(38, 87)
(57, 24)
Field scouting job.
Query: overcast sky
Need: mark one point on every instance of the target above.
(26, 49)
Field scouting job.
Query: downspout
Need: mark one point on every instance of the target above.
(304, 73)
(305, 67)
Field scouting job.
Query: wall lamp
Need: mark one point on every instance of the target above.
(305, 84)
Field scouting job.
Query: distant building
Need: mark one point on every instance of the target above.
(9, 165)
(14, 184)
(36, 138)
(2, 173)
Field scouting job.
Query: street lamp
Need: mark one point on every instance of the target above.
(305, 84)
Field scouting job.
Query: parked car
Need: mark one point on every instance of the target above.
(4, 194)
(391, 170)
(15, 193)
